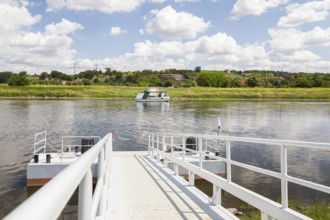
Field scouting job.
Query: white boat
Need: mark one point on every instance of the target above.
(152, 95)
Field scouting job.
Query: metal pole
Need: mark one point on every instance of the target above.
(85, 197)
(216, 198)
(284, 172)
(191, 178)
(184, 147)
(172, 149)
(200, 149)
(228, 156)
(149, 144)
(100, 164)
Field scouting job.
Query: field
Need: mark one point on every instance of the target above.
(108, 92)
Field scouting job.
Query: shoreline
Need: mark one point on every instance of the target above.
(172, 99)
(62, 92)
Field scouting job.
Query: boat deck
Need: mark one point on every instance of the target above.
(141, 189)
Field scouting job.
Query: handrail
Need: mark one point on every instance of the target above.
(162, 147)
(57, 192)
(64, 138)
(40, 138)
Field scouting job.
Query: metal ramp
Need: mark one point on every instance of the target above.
(140, 188)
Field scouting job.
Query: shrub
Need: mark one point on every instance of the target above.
(18, 80)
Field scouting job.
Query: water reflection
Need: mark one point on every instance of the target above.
(130, 122)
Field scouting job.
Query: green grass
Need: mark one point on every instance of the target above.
(319, 211)
(107, 92)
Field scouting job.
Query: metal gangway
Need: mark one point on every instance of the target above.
(134, 184)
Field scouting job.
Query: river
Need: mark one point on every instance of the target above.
(130, 122)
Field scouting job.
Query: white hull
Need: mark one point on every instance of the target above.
(38, 174)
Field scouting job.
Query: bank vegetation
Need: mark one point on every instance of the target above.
(111, 92)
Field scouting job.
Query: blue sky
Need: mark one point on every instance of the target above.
(129, 35)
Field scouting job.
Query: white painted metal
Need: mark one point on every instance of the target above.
(269, 208)
(40, 142)
(56, 193)
(141, 188)
(95, 205)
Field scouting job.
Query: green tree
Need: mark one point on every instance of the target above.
(213, 79)
(254, 81)
(43, 76)
(168, 83)
(18, 80)
(5, 76)
(198, 69)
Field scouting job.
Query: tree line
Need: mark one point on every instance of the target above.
(172, 77)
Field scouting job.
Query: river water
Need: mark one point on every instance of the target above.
(130, 122)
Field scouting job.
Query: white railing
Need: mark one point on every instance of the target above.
(164, 146)
(56, 193)
(40, 142)
(67, 142)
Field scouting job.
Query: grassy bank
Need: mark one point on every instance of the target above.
(319, 211)
(83, 92)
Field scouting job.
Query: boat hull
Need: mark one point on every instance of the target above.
(38, 174)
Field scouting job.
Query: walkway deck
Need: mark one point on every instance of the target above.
(139, 189)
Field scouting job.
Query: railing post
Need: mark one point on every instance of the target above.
(149, 143)
(200, 150)
(172, 143)
(184, 148)
(163, 144)
(176, 169)
(228, 156)
(284, 172)
(158, 156)
(85, 197)
(45, 142)
(216, 197)
(191, 178)
(100, 164)
(153, 145)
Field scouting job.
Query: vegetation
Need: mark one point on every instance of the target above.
(319, 211)
(195, 83)
(173, 77)
(18, 80)
(103, 91)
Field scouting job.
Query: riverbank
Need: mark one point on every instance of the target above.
(108, 92)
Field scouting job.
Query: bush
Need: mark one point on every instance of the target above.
(18, 80)
(213, 79)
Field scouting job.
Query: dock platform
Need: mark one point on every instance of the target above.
(141, 189)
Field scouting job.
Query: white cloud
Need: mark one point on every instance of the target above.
(87, 5)
(298, 14)
(219, 43)
(254, 7)
(14, 16)
(300, 56)
(64, 27)
(22, 49)
(219, 48)
(181, 1)
(172, 25)
(115, 31)
(288, 40)
(218, 51)
(157, 1)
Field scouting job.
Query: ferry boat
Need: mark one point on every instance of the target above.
(152, 95)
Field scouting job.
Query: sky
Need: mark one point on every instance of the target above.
(129, 35)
